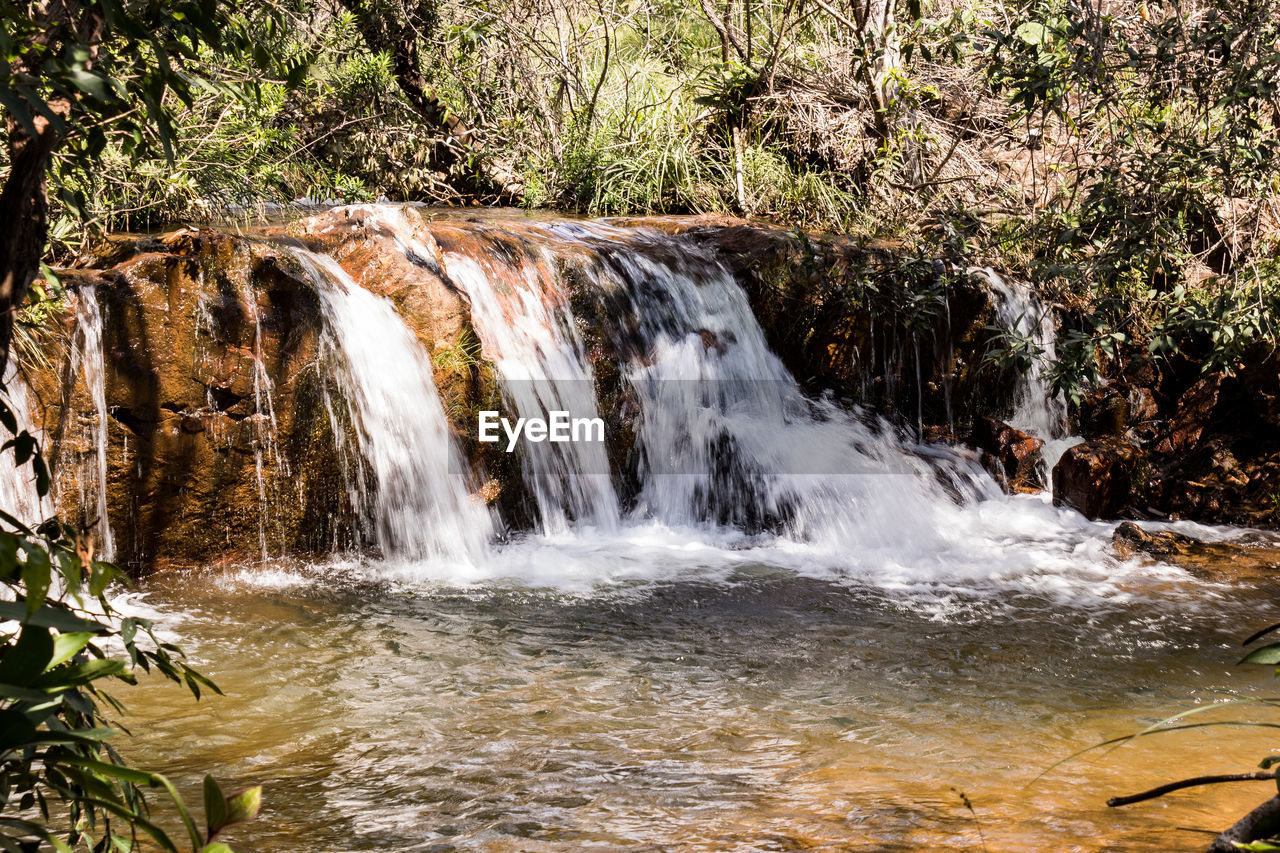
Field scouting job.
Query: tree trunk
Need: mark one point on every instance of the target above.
(392, 29)
(24, 201)
(24, 208)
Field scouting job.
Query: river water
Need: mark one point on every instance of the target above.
(801, 628)
(731, 705)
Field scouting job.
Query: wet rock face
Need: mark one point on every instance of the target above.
(1211, 441)
(1011, 455)
(208, 347)
(221, 445)
(1105, 414)
(1098, 478)
(1129, 539)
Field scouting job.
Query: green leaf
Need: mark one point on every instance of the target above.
(94, 85)
(23, 694)
(80, 673)
(16, 730)
(27, 658)
(36, 575)
(215, 806)
(114, 771)
(49, 616)
(17, 108)
(216, 847)
(1268, 655)
(1033, 33)
(66, 646)
(244, 805)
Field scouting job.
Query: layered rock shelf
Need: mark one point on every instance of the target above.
(222, 445)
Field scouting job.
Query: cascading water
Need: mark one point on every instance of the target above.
(420, 506)
(18, 494)
(727, 436)
(524, 326)
(87, 356)
(265, 446)
(521, 314)
(1038, 409)
(731, 455)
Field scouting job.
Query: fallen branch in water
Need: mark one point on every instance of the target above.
(1262, 822)
(1255, 776)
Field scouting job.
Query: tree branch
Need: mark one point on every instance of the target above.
(1255, 776)
(1262, 822)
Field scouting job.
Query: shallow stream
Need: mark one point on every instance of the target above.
(706, 698)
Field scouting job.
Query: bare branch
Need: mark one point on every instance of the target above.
(1160, 791)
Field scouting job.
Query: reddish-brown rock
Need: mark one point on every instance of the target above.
(1014, 455)
(1105, 413)
(1098, 477)
(1193, 415)
(1260, 559)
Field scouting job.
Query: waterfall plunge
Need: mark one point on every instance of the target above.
(420, 506)
(1038, 409)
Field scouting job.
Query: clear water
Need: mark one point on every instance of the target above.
(731, 705)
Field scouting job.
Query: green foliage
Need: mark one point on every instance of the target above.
(164, 110)
(62, 785)
(1160, 223)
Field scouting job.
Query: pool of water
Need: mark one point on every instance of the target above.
(738, 706)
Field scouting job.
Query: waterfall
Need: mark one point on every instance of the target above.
(1038, 409)
(86, 355)
(724, 433)
(18, 494)
(718, 456)
(264, 423)
(724, 436)
(520, 312)
(419, 506)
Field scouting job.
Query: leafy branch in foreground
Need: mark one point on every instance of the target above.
(59, 637)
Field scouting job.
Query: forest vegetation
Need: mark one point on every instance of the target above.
(1120, 155)
(1123, 156)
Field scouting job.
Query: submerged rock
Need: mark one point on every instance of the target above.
(1129, 538)
(1179, 549)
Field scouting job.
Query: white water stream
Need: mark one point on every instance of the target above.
(420, 505)
(1038, 409)
(86, 355)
